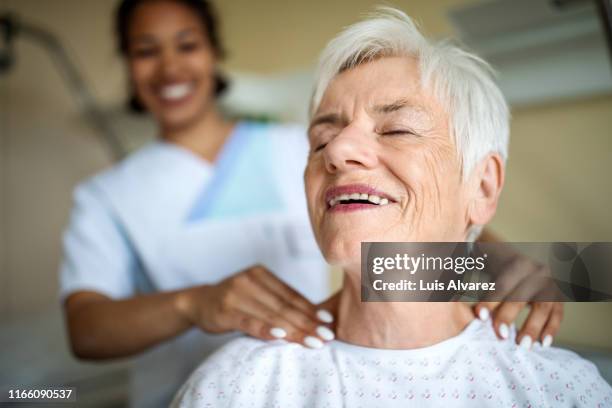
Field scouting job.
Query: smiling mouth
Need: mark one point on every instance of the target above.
(176, 92)
(355, 197)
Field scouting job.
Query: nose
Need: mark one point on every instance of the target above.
(351, 149)
(169, 65)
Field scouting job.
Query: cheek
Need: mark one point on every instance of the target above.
(141, 73)
(201, 63)
(430, 174)
(313, 179)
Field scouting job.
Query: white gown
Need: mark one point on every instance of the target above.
(164, 219)
(473, 369)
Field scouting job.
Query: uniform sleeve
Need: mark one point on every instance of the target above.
(97, 254)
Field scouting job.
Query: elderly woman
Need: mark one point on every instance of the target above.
(408, 143)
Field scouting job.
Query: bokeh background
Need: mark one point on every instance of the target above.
(554, 69)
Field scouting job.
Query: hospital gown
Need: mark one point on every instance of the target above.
(472, 369)
(164, 219)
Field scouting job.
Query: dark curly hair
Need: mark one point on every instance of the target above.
(205, 12)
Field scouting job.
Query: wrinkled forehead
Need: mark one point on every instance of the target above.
(381, 88)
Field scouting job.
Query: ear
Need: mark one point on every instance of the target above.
(487, 181)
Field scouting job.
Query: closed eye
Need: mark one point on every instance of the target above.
(320, 147)
(398, 132)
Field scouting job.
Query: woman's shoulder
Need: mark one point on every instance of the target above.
(248, 352)
(560, 375)
(243, 363)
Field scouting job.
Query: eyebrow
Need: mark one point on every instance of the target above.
(393, 106)
(150, 38)
(329, 118)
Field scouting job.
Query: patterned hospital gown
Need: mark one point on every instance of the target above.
(471, 369)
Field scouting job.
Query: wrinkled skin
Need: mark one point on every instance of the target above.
(377, 126)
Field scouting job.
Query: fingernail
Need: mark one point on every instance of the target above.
(504, 332)
(483, 314)
(547, 341)
(526, 342)
(325, 333)
(325, 316)
(278, 332)
(313, 342)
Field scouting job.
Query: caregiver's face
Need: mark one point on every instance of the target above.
(171, 62)
(382, 165)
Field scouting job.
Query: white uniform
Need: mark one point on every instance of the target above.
(164, 219)
(473, 369)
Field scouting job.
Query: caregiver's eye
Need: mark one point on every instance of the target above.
(144, 52)
(188, 47)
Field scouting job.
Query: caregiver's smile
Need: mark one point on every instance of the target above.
(382, 165)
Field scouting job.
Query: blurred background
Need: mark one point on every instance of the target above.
(554, 68)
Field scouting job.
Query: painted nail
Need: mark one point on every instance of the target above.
(325, 333)
(547, 341)
(325, 316)
(313, 342)
(504, 332)
(278, 332)
(526, 342)
(483, 314)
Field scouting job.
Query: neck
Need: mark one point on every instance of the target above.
(204, 136)
(396, 325)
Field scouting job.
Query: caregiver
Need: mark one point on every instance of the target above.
(205, 228)
(177, 235)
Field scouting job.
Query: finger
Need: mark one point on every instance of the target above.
(277, 311)
(252, 326)
(308, 340)
(276, 327)
(251, 298)
(534, 324)
(264, 277)
(553, 324)
(504, 315)
(505, 284)
(512, 273)
(285, 323)
(537, 287)
(328, 309)
(484, 310)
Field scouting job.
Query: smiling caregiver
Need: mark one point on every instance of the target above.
(202, 232)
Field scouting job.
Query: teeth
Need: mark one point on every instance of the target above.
(174, 92)
(374, 199)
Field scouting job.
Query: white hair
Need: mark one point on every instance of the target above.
(462, 82)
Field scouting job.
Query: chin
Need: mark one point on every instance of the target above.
(341, 252)
(179, 118)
